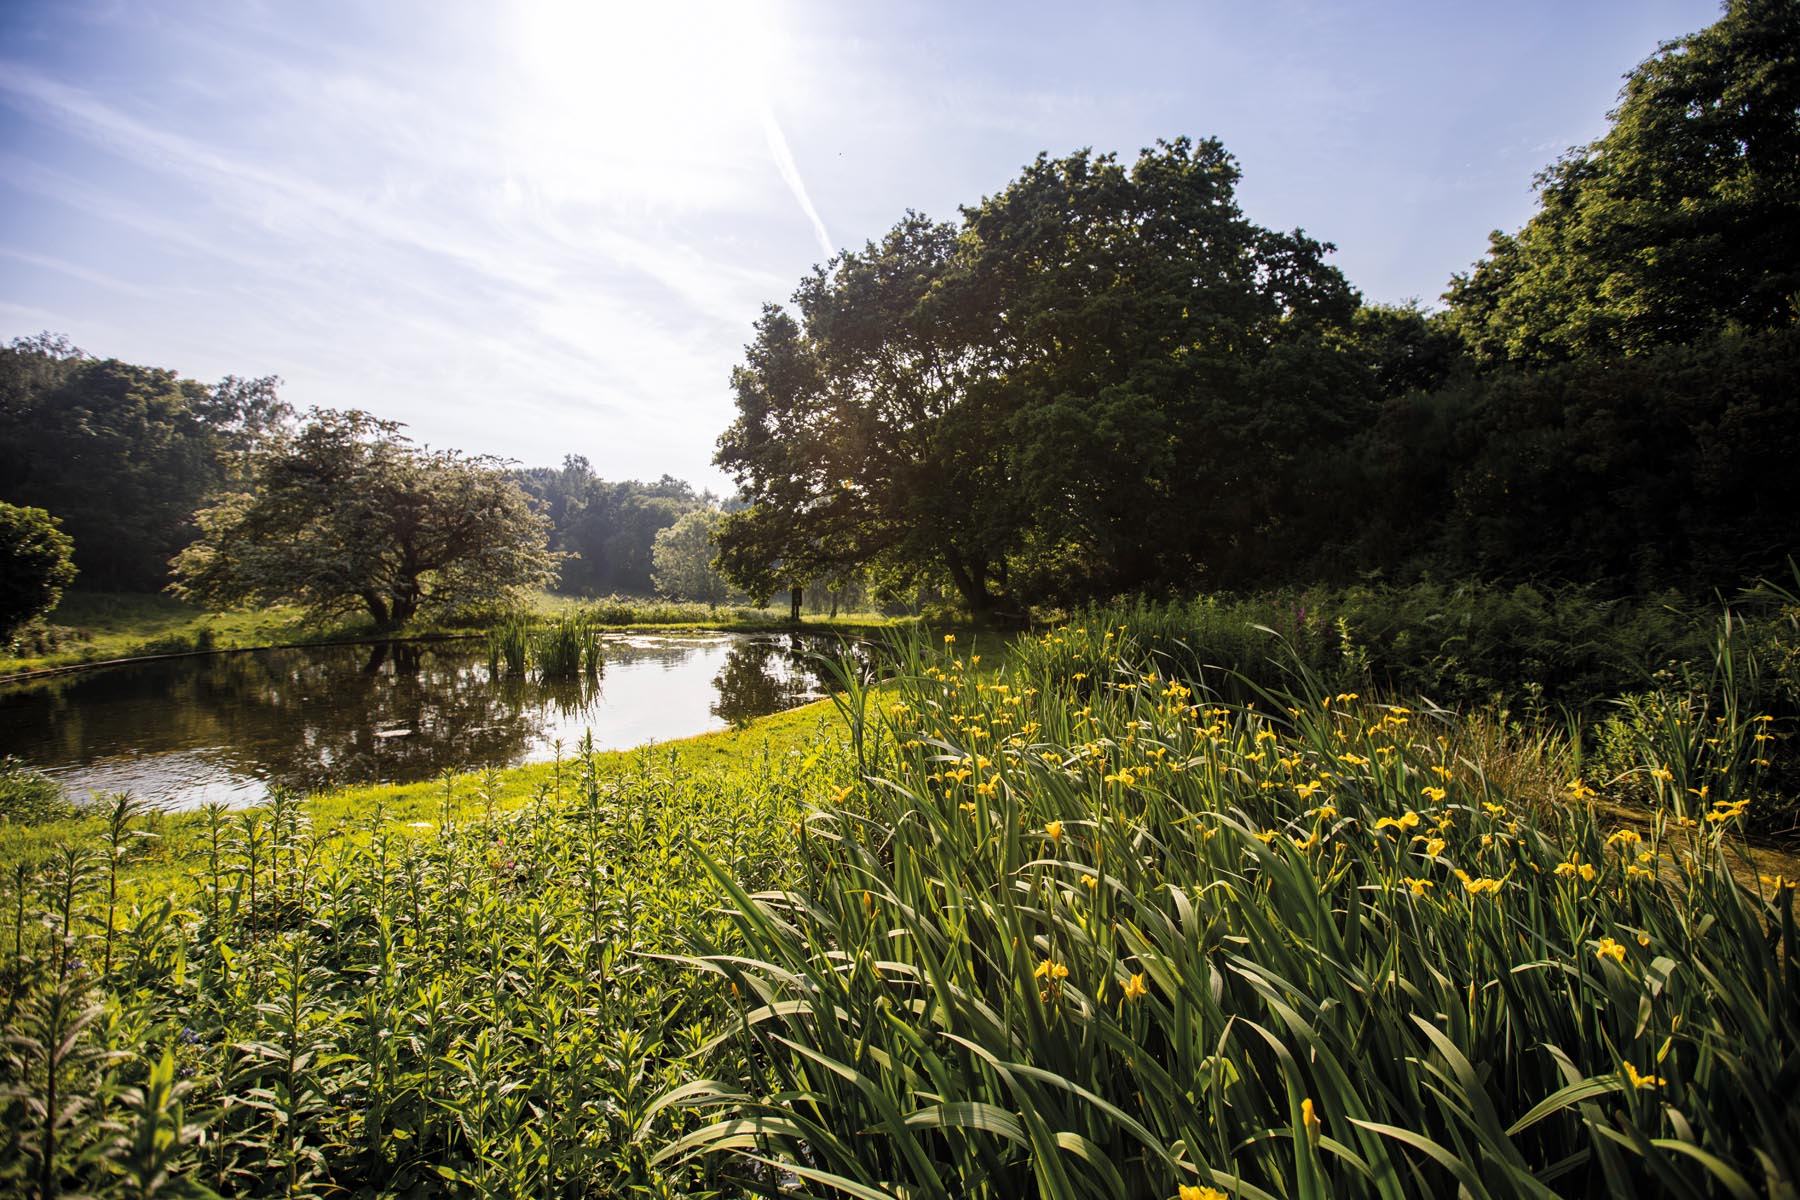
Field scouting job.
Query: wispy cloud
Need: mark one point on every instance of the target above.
(790, 175)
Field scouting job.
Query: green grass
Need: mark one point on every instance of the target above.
(106, 625)
(1059, 922)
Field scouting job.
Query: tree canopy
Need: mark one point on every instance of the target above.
(123, 454)
(347, 513)
(36, 564)
(1677, 224)
(1051, 397)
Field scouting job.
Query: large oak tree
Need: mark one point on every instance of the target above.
(1048, 398)
(347, 513)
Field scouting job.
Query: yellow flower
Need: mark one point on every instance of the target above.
(1189, 1192)
(1625, 837)
(1089, 882)
(1662, 773)
(1435, 794)
(1050, 969)
(1642, 1081)
(1053, 831)
(1434, 847)
(1310, 1121)
(1418, 886)
(1477, 887)
(843, 793)
(1135, 987)
(949, 639)
(1579, 790)
(1610, 949)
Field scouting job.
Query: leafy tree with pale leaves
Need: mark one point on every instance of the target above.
(347, 513)
(683, 559)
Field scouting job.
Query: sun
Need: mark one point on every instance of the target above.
(601, 90)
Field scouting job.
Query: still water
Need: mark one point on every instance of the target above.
(228, 727)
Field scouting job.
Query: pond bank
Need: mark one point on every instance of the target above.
(107, 629)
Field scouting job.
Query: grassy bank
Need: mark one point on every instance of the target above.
(1059, 922)
(92, 627)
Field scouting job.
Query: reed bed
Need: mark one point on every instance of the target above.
(1075, 928)
(569, 648)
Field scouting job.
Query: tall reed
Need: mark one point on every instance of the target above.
(1079, 927)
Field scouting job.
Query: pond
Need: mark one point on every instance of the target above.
(229, 727)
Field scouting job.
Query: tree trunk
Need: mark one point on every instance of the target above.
(377, 608)
(971, 583)
(794, 595)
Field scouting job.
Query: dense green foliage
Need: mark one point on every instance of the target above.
(1086, 386)
(1678, 224)
(469, 1009)
(1106, 380)
(123, 454)
(607, 530)
(28, 796)
(346, 513)
(1667, 469)
(36, 563)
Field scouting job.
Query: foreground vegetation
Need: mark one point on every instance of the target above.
(1074, 918)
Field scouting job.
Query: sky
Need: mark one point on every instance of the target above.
(533, 229)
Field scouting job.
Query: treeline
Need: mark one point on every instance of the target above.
(1104, 379)
(123, 457)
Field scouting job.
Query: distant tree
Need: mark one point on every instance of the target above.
(683, 559)
(347, 513)
(608, 529)
(1677, 224)
(123, 454)
(36, 564)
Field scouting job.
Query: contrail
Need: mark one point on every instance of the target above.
(790, 173)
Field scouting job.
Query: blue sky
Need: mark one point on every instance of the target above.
(539, 228)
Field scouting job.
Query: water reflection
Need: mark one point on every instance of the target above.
(762, 677)
(230, 727)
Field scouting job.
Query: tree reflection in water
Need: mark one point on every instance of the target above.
(231, 726)
(764, 676)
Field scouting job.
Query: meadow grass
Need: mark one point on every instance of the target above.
(1043, 918)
